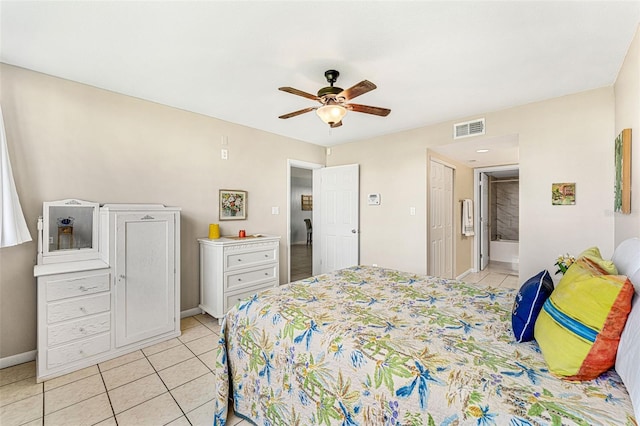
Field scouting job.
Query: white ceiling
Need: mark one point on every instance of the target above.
(432, 61)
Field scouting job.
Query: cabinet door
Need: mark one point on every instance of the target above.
(144, 275)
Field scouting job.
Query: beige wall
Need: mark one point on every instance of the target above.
(68, 140)
(627, 91)
(566, 139)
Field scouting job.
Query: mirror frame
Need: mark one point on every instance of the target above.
(71, 255)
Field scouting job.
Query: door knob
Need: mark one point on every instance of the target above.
(353, 231)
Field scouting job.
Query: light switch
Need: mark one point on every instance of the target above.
(275, 210)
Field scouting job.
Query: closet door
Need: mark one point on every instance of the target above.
(144, 275)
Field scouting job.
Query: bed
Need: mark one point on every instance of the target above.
(374, 346)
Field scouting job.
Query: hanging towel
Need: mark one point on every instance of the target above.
(13, 228)
(467, 217)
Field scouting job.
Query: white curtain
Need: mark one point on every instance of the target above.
(13, 228)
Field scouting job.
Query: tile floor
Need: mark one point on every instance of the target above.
(494, 276)
(170, 383)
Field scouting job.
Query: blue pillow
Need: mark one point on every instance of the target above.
(529, 300)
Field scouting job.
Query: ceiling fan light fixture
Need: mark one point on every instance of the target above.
(331, 114)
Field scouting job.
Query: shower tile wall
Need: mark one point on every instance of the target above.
(505, 210)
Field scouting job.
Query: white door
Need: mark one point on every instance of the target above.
(484, 220)
(336, 225)
(144, 276)
(440, 220)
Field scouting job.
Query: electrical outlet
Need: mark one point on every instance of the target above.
(224, 154)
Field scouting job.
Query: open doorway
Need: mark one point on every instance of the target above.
(497, 218)
(300, 225)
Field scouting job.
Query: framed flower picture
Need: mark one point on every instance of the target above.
(233, 204)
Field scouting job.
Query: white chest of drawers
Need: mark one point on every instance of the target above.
(234, 269)
(74, 314)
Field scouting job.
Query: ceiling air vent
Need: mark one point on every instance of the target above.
(468, 128)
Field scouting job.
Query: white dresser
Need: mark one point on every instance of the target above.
(232, 269)
(74, 314)
(124, 299)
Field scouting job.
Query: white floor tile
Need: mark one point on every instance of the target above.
(170, 357)
(19, 390)
(121, 360)
(22, 411)
(72, 393)
(17, 373)
(183, 372)
(88, 412)
(195, 393)
(157, 411)
(71, 377)
(127, 373)
(136, 392)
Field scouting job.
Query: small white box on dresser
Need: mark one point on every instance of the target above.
(232, 269)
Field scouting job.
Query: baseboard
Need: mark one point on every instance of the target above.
(190, 313)
(464, 274)
(12, 360)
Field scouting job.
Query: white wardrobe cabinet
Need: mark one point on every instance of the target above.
(127, 298)
(144, 256)
(232, 269)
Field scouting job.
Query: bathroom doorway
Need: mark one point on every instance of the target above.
(497, 218)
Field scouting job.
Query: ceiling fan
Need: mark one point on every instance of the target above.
(334, 100)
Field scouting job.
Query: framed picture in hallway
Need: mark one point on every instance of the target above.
(233, 204)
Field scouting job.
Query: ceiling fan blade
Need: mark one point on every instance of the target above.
(299, 93)
(368, 109)
(359, 89)
(334, 125)
(293, 114)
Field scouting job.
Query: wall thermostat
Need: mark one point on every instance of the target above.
(373, 199)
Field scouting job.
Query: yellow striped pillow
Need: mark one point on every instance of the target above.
(579, 326)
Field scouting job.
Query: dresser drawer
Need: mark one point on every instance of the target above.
(243, 279)
(234, 260)
(78, 307)
(78, 350)
(231, 299)
(77, 329)
(76, 285)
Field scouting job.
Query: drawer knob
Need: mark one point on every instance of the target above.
(266, 273)
(81, 330)
(239, 279)
(239, 260)
(83, 309)
(266, 255)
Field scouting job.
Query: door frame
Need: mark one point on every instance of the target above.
(299, 165)
(477, 201)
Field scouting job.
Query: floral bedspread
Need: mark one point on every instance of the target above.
(373, 346)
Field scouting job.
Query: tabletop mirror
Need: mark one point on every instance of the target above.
(70, 231)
